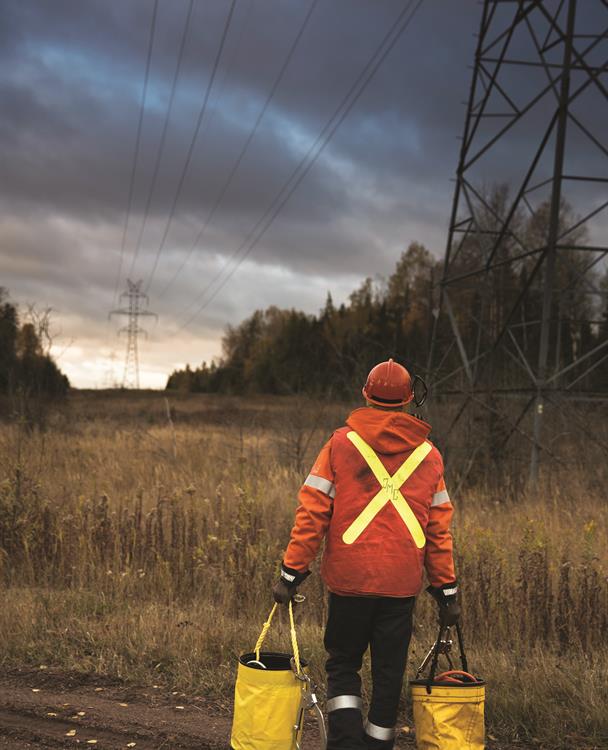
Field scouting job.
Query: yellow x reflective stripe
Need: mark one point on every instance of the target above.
(390, 491)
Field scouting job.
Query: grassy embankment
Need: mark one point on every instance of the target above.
(133, 547)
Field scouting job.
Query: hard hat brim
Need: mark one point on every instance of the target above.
(384, 402)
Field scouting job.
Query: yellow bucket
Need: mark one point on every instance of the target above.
(448, 708)
(451, 717)
(268, 697)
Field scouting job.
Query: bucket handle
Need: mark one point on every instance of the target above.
(292, 632)
(450, 676)
(443, 631)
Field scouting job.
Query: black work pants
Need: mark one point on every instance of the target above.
(354, 623)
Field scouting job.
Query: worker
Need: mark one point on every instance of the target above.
(377, 495)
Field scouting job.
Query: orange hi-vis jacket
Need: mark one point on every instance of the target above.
(376, 493)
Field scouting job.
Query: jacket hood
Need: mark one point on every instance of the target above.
(388, 431)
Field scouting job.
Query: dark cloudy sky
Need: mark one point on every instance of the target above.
(71, 77)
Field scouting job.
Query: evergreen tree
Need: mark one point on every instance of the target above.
(25, 368)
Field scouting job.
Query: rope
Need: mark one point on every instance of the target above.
(265, 629)
(294, 641)
(294, 638)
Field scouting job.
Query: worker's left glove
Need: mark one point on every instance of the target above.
(287, 585)
(446, 598)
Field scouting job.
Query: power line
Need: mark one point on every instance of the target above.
(238, 36)
(303, 168)
(137, 146)
(230, 65)
(199, 121)
(245, 146)
(163, 137)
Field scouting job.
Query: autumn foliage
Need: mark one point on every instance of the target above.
(280, 351)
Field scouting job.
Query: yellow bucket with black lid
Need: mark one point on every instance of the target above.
(271, 694)
(448, 707)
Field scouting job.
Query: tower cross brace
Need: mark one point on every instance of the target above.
(521, 318)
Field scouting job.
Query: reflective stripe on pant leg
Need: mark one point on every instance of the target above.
(344, 701)
(346, 640)
(379, 733)
(389, 646)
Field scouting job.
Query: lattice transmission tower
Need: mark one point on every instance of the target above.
(133, 311)
(520, 327)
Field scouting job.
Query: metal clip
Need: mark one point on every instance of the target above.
(443, 646)
(302, 676)
(309, 702)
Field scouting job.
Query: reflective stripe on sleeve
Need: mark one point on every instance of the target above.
(379, 733)
(319, 483)
(439, 498)
(344, 701)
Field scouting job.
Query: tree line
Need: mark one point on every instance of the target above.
(27, 370)
(286, 351)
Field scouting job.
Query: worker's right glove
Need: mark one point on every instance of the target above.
(287, 585)
(449, 609)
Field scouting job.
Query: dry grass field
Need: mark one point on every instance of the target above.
(144, 548)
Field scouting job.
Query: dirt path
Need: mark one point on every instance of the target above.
(45, 709)
(50, 710)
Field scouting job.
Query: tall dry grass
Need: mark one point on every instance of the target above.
(135, 546)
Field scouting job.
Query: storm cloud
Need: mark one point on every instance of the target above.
(71, 81)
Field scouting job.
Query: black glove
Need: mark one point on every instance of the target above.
(287, 585)
(446, 598)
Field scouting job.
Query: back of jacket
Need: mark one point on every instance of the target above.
(380, 533)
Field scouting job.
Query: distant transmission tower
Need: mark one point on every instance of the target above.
(133, 311)
(518, 331)
(109, 380)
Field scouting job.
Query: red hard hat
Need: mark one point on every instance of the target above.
(388, 384)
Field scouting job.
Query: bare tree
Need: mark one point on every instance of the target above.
(42, 321)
